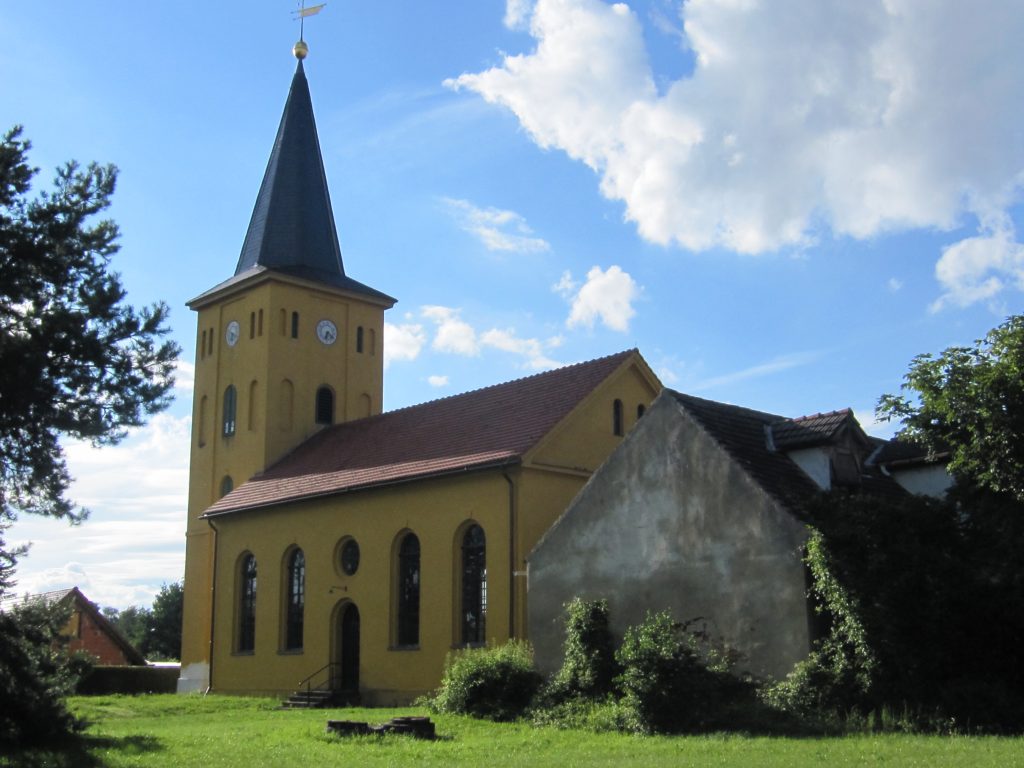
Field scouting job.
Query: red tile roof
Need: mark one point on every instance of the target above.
(805, 431)
(487, 427)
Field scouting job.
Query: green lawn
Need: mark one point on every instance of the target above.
(227, 731)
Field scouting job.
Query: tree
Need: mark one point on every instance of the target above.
(970, 401)
(75, 360)
(156, 631)
(165, 635)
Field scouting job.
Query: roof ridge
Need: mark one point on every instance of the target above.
(807, 417)
(752, 411)
(537, 375)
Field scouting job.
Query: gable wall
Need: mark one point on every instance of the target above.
(671, 522)
(84, 634)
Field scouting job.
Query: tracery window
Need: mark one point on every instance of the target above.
(474, 586)
(408, 597)
(247, 606)
(296, 604)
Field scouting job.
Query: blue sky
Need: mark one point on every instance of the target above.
(780, 204)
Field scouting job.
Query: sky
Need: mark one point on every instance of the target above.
(780, 204)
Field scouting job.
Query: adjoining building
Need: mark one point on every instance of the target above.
(698, 513)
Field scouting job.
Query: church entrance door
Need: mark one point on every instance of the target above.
(346, 676)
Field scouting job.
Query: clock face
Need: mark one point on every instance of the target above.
(327, 332)
(231, 333)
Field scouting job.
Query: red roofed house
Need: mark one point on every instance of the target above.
(332, 545)
(87, 629)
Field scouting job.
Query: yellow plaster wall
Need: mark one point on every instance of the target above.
(435, 510)
(262, 433)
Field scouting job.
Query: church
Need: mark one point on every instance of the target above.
(332, 545)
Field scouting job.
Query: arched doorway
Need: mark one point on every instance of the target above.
(346, 648)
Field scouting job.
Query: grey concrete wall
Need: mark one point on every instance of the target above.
(671, 521)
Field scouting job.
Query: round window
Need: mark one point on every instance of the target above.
(350, 557)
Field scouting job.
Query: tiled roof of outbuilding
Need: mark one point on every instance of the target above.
(806, 431)
(487, 427)
(742, 433)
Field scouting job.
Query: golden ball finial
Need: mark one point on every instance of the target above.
(300, 50)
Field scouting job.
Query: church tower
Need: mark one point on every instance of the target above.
(285, 346)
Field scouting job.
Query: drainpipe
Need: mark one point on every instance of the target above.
(511, 554)
(213, 600)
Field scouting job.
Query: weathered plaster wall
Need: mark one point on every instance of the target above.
(926, 481)
(671, 521)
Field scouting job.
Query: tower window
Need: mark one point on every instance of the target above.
(474, 586)
(408, 597)
(617, 418)
(640, 411)
(295, 325)
(227, 485)
(359, 339)
(247, 606)
(296, 600)
(324, 406)
(230, 410)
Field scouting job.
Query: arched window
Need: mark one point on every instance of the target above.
(474, 586)
(640, 411)
(296, 600)
(408, 597)
(247, 605)
(230, 410)
(295, 325)
(324, 406)
(227, 485)
(617, 418)
(359, 339)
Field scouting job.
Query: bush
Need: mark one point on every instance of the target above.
(105, 680)
(36, 673)
(494, 683)
(588, 668)
(673, 680)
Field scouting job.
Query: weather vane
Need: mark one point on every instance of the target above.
(300, 49)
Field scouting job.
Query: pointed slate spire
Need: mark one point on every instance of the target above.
(292, 226)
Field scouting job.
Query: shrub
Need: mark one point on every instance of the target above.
(494, 683)
(673, 680)
(588, 668)
(36, 673)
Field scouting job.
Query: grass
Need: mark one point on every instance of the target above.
(219, 731)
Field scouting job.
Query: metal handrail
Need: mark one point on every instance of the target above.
(308, 681)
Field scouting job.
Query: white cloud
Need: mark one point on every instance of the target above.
(134, 539)
(454, 335)
(533, 350)
(776, 365)
(566, 287)
(607, 296)
(894, 285)
(402, 342)
(977, 268)
(863, 117)
(497, 229)
(517, 12)
(184, 375)
(437, 381)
